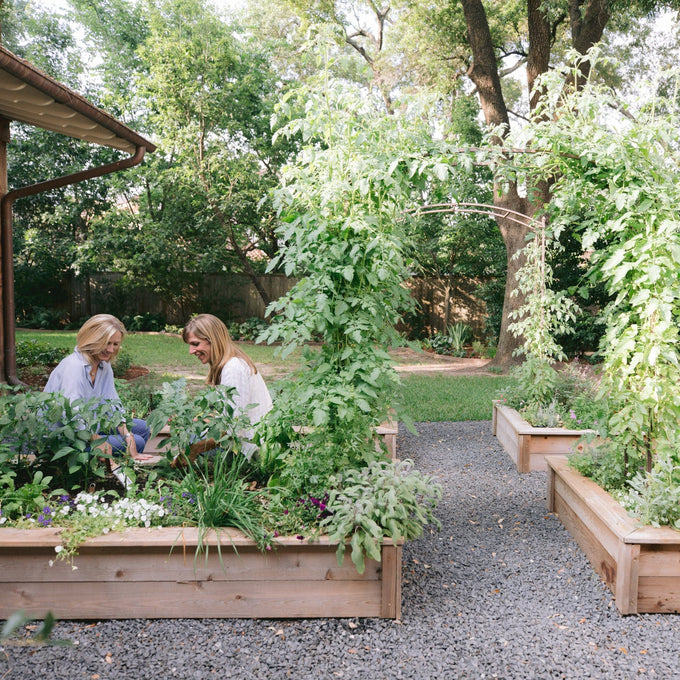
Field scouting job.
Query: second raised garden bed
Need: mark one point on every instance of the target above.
(528, 445)
(640, 564)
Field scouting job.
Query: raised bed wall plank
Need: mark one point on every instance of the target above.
(135, 575)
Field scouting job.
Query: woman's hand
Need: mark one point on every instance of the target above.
(134, 454)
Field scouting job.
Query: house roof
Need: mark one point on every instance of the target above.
(30, 96)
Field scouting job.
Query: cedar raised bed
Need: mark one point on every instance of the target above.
(153, 573)
(528, 445)
(639, 564)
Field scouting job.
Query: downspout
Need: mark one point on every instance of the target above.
(8, 247)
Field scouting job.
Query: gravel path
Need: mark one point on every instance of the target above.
(501, 592)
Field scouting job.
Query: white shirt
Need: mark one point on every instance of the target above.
(251, 395)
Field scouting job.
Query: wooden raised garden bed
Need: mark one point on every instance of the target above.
(528, 445)
(153, 573)
(640, 564)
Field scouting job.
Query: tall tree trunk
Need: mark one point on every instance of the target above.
(588, 19)
(485, 75)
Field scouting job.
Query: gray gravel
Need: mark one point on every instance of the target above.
(501, 592)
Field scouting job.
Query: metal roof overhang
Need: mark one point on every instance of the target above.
(30, 96)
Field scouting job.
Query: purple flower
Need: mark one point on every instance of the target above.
(44, 520)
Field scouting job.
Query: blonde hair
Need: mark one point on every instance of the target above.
(94, 336)
(222, 347)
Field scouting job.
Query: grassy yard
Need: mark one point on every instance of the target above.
(445, 397)
(158, 351)
(439, 397)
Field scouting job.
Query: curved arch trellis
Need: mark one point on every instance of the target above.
(478, 208)
(530, 223)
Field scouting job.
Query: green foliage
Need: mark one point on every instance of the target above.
(122, 363)
(568, 397)
(452, 342)
(206, 415)
(545, 312)
(43, 632)
(621, 178)
(250, 329)
(383, 499)
(28, 498)
(46, 432)
(341, 205)
(655, 497)
(216, 494)
(138, 397)
(34, 352)
(618, 181)
(603, 463)
(144, 322)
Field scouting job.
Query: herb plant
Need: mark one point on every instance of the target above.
(382, 499)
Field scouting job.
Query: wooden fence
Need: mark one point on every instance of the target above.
(235, 297)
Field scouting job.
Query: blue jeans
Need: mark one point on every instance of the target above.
(141, 433)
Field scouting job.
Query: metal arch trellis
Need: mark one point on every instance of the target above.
(504, 213)
(478, 208)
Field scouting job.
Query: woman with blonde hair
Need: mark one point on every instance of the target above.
(209, 341)
(87, 374)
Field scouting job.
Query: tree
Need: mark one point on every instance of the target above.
(49, 227)
(587, 22)
(200, 204)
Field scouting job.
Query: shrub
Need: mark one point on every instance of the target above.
(144, 322)
(32, 352)
(249, 329)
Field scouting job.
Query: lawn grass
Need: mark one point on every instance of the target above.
(160, 351)
(450, 398)
(425, 398)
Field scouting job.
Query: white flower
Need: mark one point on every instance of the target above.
(58, 548)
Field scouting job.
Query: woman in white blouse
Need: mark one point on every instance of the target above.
(209, 341)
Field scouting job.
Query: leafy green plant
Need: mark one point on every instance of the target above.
(654, 497)
(342, 204)
(42, 635)
(250, 329)
(568, 397)
(33, 352)
(602, 462)
(194, 418)
(28, 498)
(383, 499)
(459, 333)
(122, 363)
(217, 494)
(617, 184)
(452, 342)
(144, 322)
(47, 432)
(138, 397)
